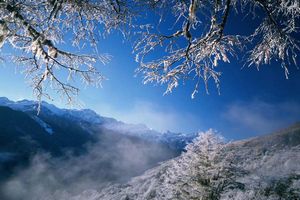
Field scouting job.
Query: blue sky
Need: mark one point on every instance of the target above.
(251, 102)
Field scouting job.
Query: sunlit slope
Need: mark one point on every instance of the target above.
(265, 167)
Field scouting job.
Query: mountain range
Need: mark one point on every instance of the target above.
(61, 132)
(91, 122)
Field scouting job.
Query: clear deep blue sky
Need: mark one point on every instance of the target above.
(251, 102)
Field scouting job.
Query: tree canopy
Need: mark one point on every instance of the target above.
(194, 40)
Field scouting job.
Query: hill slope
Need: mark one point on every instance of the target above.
(261, 168)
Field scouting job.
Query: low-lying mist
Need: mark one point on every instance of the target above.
(114, 158)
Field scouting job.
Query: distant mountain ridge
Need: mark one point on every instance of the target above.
(31, 106)
(87, 117)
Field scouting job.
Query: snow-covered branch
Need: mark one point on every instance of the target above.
(38, 30)
(188, 43)
(199, 43)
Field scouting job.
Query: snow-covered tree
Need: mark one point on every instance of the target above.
(210, 168)
(190, 34)
(271, 173)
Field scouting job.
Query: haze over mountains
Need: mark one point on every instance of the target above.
(79, 155)
(103, 149)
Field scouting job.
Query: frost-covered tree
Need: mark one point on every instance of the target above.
(210, 168)
(271, 173)
(190, 34)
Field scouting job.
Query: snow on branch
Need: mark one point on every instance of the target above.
(188, 42)
(199, 44)
(39, 30)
